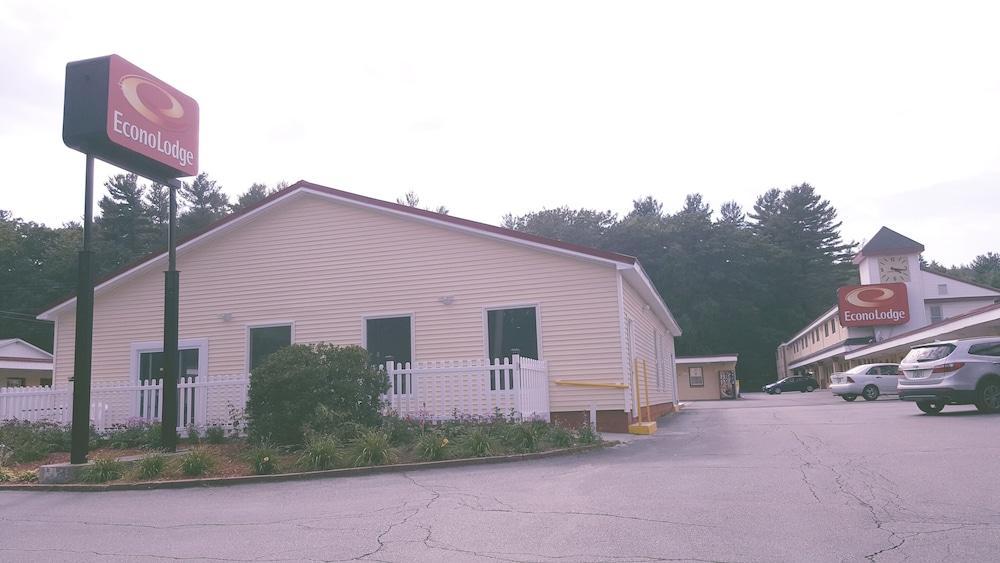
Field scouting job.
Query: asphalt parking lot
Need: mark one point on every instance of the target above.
(792, 477)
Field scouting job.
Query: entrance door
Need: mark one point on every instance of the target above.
(151, 369)
(727, 384)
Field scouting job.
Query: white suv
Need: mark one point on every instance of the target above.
(955, 372)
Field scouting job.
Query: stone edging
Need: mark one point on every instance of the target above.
(329, 473)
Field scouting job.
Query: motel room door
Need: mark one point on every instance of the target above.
(727, 384)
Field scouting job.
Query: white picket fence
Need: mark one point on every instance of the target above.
(201, 402)
(427, 390)
(469, 388)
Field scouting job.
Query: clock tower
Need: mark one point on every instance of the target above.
(889, 257)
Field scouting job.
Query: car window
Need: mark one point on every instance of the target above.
(928, 353)
(857, 369)
(874, 370)
(890, 370)
(987, 349)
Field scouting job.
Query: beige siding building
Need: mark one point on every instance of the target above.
(312, 264)
(706, 378)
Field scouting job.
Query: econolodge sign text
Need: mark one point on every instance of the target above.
(873, 305)
(124, 115)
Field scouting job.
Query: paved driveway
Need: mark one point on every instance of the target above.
(769, 478)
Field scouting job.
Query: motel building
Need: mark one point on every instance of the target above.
(929, 306)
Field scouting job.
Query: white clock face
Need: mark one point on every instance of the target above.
(893, 269)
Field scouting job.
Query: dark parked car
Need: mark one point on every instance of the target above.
(799, 383)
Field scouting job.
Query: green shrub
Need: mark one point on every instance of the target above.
(287, 391)
(193, 436)
(478, 442)
(4, 476)
(24, 441)
(401, 431)
(264, 459)
(372, 447)
(322, 451)
(522, 437)
(432, 446)
(215, 435)
(196, 463)
(136, 433)
(559, 437)
(587, 435)
(103, 470)
(151, 467)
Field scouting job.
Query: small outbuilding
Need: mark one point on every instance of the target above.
(706, 378)
(23, 364)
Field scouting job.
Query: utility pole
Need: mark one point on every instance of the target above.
(171, 355)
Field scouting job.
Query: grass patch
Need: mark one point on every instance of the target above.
(104, 470)
(372, 447)
(197, 463)
(321, 452)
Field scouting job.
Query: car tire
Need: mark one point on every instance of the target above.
(930, 407)
(776, 391)
(809, 388)
(869, 393)
(988, 395)
(849, 398)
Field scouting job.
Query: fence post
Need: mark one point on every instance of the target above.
(515, 360)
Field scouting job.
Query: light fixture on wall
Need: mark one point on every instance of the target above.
(647, 308)
(226, 317)
(447, 299)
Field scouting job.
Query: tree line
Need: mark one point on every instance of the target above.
(737, 281)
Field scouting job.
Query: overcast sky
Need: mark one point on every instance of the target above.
(892, 111)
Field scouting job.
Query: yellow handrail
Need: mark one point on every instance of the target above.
(591, 384)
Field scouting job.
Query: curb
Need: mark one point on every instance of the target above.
(301, 476)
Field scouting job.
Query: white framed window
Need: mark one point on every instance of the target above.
(658, 358)
(516, 327)
(389, 335)
(265, 339)
(695, 377)
(147, 359)
(629, 351)
(936, 314)
(942, 289)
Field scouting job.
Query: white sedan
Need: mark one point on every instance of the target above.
(867, 380)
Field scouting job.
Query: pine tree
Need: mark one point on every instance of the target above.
(205, 202)
(125, 225)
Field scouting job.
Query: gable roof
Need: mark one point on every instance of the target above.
(887, 242)
(15, 348)
(960, 280)
(628, 265)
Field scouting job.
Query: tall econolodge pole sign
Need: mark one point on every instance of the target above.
(125, 116)
(121, 114)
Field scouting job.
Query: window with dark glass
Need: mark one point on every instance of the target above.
(389, 337)
(266, 340)
(512, 329)
(151, 369)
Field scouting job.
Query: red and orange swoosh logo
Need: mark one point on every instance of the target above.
(164, 116)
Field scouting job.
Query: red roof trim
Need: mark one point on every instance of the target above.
(304, 185)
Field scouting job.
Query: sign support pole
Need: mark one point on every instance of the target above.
(171, 354)
(83, 348)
